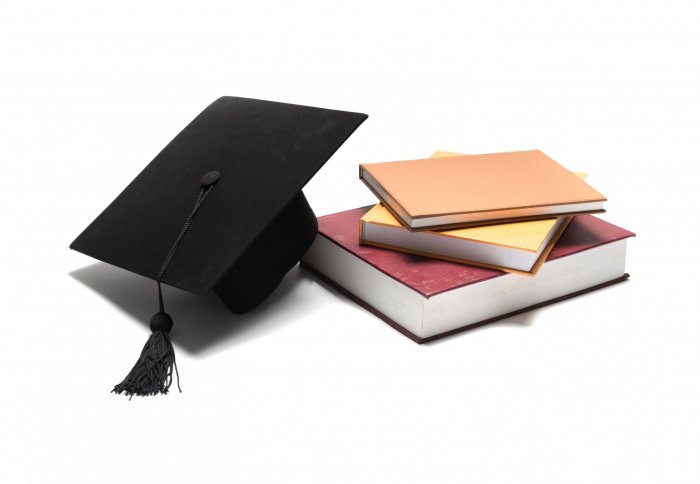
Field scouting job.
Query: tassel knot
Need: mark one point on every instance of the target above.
(161, 321)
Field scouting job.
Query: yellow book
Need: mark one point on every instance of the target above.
(519, 247)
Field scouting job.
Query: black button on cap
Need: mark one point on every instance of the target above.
(210, 178)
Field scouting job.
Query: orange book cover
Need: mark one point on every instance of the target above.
(453, 191)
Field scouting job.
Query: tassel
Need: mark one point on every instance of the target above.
(153, 372)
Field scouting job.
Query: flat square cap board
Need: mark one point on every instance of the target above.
(254, 225)
(220, 208)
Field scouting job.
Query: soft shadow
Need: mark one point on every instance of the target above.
(522, 320)
(202, 323)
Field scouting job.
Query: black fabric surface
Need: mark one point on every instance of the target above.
(260, 270)
(266, 152)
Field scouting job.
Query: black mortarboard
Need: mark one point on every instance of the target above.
(220, 209)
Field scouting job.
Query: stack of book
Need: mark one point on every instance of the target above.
(459, 241)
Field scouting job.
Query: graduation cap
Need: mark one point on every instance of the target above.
(220, 209)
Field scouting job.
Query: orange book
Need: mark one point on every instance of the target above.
(519, 247)
(467, 190)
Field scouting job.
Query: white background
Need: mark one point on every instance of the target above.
(310, 387)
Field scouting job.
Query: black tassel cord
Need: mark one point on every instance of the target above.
(153, 372)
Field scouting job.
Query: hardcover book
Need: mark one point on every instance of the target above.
(427, 298)
(457, 191)
(519, 247)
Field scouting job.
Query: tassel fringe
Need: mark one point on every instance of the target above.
(153, 372)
